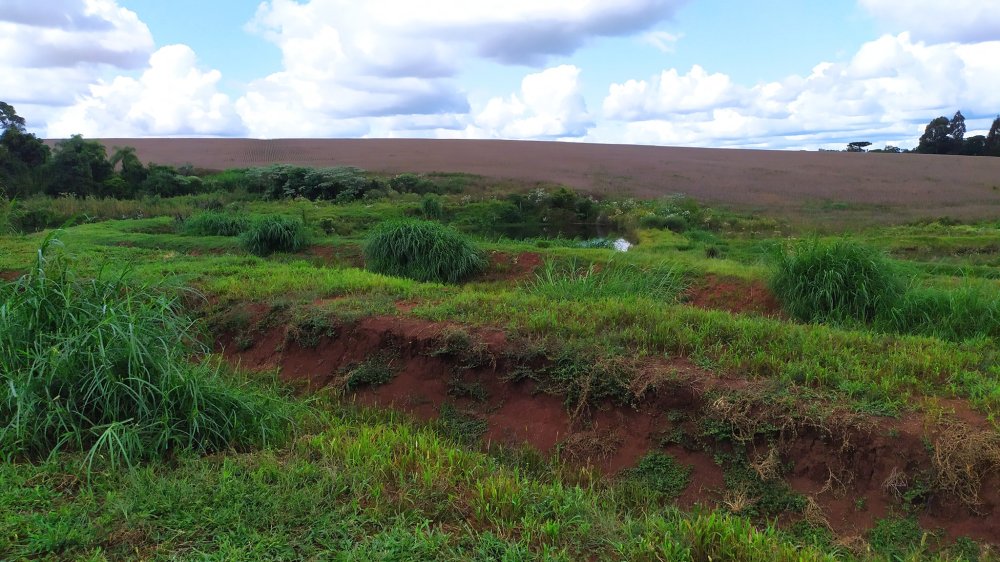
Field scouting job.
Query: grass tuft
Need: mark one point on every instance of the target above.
(421, 250)
(108, 366)
(274, 233)
(215, 223)
(835, 281)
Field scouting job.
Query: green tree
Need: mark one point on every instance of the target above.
(21, 157)
(129, 167)
(857, 146)
(993, 138)
(78, 167)
(956, 130)
(9, 119)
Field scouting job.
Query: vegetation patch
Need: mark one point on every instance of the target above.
(374, 371)
(216, 223)
(107, 365)
(421, 250)
(835, 281)
(662, 473)
(274, 233)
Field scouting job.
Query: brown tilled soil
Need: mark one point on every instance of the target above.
(850, 465)
(863, 186)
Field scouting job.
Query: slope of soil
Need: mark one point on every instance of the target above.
(915, 185)
(852, 466)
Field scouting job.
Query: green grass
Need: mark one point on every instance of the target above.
(835, 281)
(108, 366)
(274, 233)
(662, 474)
(571, 281)
(364, 488)
(421, 250)
(215, 223)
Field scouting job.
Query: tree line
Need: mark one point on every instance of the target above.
(79, 167)
(946, 136)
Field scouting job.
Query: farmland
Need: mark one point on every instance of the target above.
(795, 359)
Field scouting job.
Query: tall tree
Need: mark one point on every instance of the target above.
(935, 139)
(78, 167)
(993, 138)
(956, 129)
(9, 119)
(131, 168)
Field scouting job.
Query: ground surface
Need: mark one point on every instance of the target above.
(826, 186)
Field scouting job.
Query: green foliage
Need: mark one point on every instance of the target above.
(274, 233)
(284, 181)
(662, 473)
(167, 181)
(78, 167)
(431, 207)
(897, 538)
(571, 281)
(462, 428)
(421, 250)
(374, 371)
(214, 223)
(108, 366)
(835, 281)
(970, 310)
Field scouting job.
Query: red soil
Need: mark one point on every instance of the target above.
(612, 437)
(915, 185)
(505, 266)
(10, 275)
(734, 295)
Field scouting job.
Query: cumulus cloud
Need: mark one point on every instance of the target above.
(887, 92)
(172, 97)
(347, 60)
(964, 21)
(550, 105)
(51, 51)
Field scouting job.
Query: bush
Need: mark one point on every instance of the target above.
(674, 223)
(421, 250)
(216, 224)
(838, 281)
(108, 366)
(274, 233)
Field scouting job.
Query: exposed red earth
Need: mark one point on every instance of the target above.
(843, 462)
(780, 182)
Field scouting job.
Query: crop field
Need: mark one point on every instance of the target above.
(663, 358)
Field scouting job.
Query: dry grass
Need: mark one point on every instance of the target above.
(963, 456)
(768, 465)
(896, 484)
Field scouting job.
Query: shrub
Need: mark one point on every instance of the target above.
(214, 223)
(839, 281)
(274, 233)
(431, 207)
(421, 250)
(675, 223)
(108, 365)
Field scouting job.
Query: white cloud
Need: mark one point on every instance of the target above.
(550, 105)
(172, 97)
(964, 21)
(51, 51)
(346, 60)
(664, 41)
(886, 93)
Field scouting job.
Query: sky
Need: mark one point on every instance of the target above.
(773, 74)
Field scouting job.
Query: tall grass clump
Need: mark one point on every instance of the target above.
(570, 281)
(274, 233)
(968, 311)
(215, 223)
(839, 281)
(109, 366)
(422, 250)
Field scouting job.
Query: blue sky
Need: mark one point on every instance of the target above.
(784, 74)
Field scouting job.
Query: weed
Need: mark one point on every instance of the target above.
(570, 281)
(274, 233)
(460, 426)
(374, 371)
(459, 388)
(424, 251)
(838, 281)
(107, 365)
(897, 538)
(662, 474)
(214, 223)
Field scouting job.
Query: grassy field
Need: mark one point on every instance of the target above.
(220, 376)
